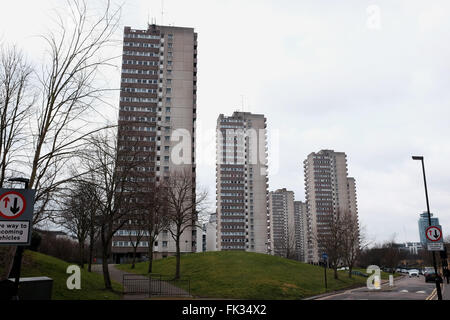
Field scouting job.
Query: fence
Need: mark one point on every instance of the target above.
(156, 285)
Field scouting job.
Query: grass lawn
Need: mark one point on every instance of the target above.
(243, 275)
(35, 264)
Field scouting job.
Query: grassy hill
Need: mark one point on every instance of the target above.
(243, 275)
(92, 286)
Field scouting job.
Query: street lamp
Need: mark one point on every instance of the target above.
(438, 286)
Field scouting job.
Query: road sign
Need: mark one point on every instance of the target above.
(434, 237)
(16, 213)
(324, 256)
(438, 246)
(433, 233)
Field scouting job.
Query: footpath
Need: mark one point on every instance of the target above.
(166, 290)
(445, 291)
(117, 275)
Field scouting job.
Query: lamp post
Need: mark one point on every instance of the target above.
(438, 286)
(19, 252)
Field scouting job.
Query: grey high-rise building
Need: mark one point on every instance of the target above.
(424, 224)
(301, 229)
(158, 108)
(282, 223)
(242, 183)
(329, 193)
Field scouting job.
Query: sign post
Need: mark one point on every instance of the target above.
(16, 214)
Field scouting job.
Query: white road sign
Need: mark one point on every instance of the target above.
(16, 213)
(433, 234)
(12, 205)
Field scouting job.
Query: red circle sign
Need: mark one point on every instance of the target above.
(12, 205)
(433, 234)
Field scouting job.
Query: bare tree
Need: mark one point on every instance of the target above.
(330, 240)
(70, 89)
(16, 102)
(392, 255)
(78, 49)
(183, 205)
(155, 219)
(353, 240)
(79, 212)
(138, 232)
(115, 195)
(285, 246)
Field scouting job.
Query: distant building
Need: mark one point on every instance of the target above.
(329, 193)
(412, 247)
(282, 223)
(301, 229)
(242, 183)
(424, 224)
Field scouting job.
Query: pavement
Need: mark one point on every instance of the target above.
(404, 288)
(117, 275)
(445, 289)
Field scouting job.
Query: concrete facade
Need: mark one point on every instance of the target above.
(282, 223)
(329, 193)
(242, 183)
(301, 229)
(158, 107)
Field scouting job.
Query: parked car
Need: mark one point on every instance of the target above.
(404, 271)
(413, 273)
(359, 273)
(430, 276)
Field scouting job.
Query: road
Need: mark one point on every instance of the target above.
(404, 289)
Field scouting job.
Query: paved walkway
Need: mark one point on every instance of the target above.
(117, 275)
(446, 291)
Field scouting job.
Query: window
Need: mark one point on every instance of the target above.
(167, 109)
(164, 244)
(167, 119)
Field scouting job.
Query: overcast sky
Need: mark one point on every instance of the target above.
(368, 78)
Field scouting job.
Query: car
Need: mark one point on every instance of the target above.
(430, 276)
(404, 271)
(359, 273)
(413, 273)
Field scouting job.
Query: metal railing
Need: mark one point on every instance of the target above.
(156, 285)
